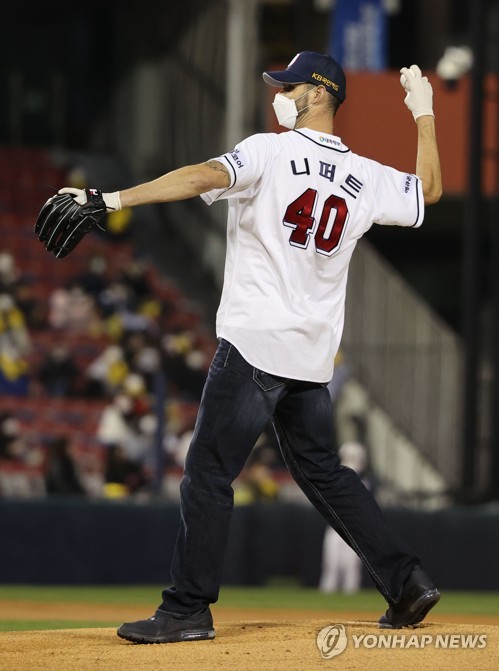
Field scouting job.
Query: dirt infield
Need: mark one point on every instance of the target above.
(247, 640)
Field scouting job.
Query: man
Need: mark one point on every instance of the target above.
(298, 202)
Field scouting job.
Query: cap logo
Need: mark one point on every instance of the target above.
(325, 80)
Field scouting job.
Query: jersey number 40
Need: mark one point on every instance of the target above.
(327, 231)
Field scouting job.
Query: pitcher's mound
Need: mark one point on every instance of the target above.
(261, 645)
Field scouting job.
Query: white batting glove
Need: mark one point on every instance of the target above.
(419, 98)
(112, 200)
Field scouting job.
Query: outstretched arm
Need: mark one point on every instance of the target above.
(419, 100)
(66, 218)
(180, 184)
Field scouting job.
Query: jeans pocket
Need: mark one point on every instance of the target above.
(266, 381)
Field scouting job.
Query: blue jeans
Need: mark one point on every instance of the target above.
(237, 404)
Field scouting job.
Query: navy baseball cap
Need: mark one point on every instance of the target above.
(314, 68)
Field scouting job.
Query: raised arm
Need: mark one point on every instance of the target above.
(419, 100)
(428, 160)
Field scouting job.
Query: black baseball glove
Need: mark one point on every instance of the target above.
(63, 222)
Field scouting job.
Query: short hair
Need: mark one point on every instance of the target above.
(332, 102)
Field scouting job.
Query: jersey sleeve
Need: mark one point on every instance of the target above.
(246, 163)
(397, 197)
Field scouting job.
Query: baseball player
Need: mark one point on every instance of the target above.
(298, 202)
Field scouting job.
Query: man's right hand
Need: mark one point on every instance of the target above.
(419, 98)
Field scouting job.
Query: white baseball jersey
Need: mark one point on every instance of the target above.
(298, 201)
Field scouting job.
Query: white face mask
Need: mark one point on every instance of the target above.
(285, 110)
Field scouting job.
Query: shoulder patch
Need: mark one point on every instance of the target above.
(238, 158)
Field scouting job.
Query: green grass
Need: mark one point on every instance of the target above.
(476, 603)
(292, 597)
(278, 595)
(115, 594)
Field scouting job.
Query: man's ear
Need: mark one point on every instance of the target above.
(319, 93)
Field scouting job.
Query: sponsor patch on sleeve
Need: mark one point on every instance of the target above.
(408, 182)
(237, 158)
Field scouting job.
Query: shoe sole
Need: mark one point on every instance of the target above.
(177, 637)
(417, 612)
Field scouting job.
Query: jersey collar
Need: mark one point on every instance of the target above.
(323, 139)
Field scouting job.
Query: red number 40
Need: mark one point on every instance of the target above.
(327, 232)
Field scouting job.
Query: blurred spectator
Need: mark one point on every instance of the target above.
(9, 273)
(14, 377)
(119, 225)
(122, 475)
(77, 176)
(341, 566)
(133, 342)
(141, 298)
(151, 309)
(58, 308)
(121, 314)
(33, 309)
(176, 447)
(12, 446)
(142, 355)
(179, 429)
(72, 309)
(106, 373)
(184, 364)
(115, 298)
(58, 372)
(134, 275)
(15, 345)
(257, 483)
(94, 279)
(13, 329)
(128, 421)
(115, 427)
(135, 387)
(61, 471)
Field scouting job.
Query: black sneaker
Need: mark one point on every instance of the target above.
(165, 628)
(418, 598)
